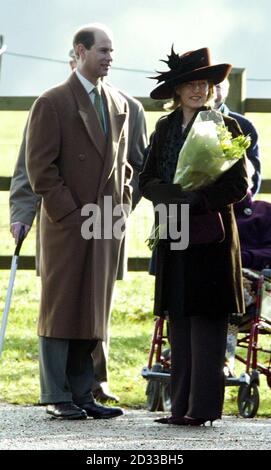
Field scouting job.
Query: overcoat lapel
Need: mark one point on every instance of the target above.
(116, 120)
(88, 115)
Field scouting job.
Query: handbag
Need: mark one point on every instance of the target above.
(206, 228)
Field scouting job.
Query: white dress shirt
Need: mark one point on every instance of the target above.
(89, 87)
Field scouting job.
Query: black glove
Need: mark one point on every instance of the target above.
(166, 193)
(194, 199)
(169, 193)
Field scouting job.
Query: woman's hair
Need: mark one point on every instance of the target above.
(175, 102)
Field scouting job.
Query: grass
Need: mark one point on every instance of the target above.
(132, 320)
(131, 331)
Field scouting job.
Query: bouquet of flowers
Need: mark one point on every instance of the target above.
(209, 150)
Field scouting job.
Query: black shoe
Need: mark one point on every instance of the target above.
(171, 420)
(97, 411)
(189, 421)
(103, 397)
(66, 411)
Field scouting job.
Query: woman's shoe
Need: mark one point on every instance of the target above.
(189, 421)
(172, 420)
(165, 420)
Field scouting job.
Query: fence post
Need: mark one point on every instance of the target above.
(1, 44)
(237, 91)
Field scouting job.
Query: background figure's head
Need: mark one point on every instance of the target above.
(93, 51)
(221, 92)
(72, 59)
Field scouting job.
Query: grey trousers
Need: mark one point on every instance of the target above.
(197, 360)
(66, 370)
(100, 359)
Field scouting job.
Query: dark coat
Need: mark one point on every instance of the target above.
(211, 274)
(24, 204)
(71, 163)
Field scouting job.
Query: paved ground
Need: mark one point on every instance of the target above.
(29, 428)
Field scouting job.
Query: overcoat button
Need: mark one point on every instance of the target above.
(81, 156)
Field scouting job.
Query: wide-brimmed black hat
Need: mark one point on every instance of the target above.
(193, 65)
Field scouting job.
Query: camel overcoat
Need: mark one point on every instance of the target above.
(211, 274)
(70, 163)
(25, 205)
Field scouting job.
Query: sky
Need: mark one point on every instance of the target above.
(237, 32)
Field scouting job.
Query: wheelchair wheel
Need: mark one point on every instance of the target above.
(248, 400)
(153, 391)
(165, 403)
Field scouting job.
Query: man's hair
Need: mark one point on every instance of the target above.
(84, 36)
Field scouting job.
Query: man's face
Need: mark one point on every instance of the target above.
(95, 63)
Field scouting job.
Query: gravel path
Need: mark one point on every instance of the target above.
(28, 427)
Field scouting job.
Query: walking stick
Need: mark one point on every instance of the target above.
(13, 269)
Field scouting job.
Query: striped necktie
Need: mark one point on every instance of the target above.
(98, 104)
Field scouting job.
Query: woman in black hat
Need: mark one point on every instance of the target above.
(196, 288)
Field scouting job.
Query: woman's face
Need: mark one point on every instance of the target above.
(194, 94)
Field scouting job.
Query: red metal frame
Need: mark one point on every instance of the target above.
(158, 340)
(248, 341)
(251, 340)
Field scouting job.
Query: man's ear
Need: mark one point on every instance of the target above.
(80, 51)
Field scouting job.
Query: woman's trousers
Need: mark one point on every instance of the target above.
(198, 346)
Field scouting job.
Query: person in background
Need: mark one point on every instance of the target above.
(196, 288)
(76, 136)
(25, 205)
(254, 227)
(221, 93)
